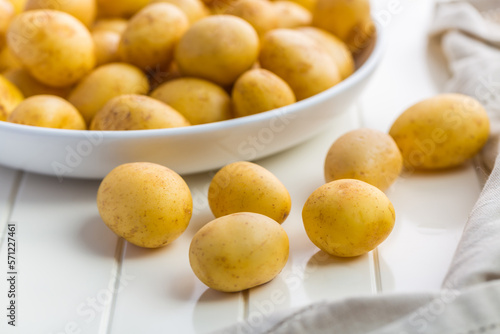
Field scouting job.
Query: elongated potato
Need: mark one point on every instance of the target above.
(29, 86)
(83, 10)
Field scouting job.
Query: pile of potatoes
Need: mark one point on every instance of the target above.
(149, 64)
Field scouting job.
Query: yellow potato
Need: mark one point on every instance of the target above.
(441, 132)
(348, 217)
(29, 86)
(247, 187)
(152, 34)
(259, 90)
(239, 251)
(194, 9)
(298, 60)
(83, 10)
(8, 61)
(104, 83)
(18, 5)
(122, 8)
(349, 20)
(259, 13)
(106, 46)
(147, 204)
(337, 49)
(136, 112)
(54, 47)
(117, 25)
(7, 13)
(291, 14)
(198, 100)
(364, 154)
(218, 48)
(47, 111)
(307, 4)
(10, 97)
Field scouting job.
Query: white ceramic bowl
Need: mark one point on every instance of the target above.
(92, 154)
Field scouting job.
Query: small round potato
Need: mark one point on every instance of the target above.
(259, 90)
(300, 61)
(117, 25)
(106, 46)
(200, 101)
(55, 47)
(29, 86)
(239, 251)
(136, 112)
(247, 187)
(122, 8)
(47, 111)
(151, 35)
(10, 97)
(291, 14)
(337, 49)
(218, 48)
(441, 132)
(195, 10)
(7, 13)
(147, 204)
(83, 10)
(104, 83)
(364, 154)
(259, 13)
(348, 217)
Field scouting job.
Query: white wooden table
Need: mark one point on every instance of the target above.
(76, 276)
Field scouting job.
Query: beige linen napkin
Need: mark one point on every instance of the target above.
(469, 302)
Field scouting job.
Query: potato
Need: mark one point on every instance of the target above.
(10, 97)
(364, 154)
(307, 4)
(136, 112)
(349, 20)
(8, 61)
(106, 46)
(259, 13)
(218, 48)
(298, 60)
(152, 34)
(54, 47)
(194, 9)
(7, 13)
(29, 86)
(147, 204)
(348, 217)
(18, 5)
(291, 14)
(117, 25)
(83, 10)
(238, 251)
(441, 132)
(47, 111)
(104, 83)
(337, 49)
(247, 187)
(259, 90)
(122, 8)
(198, 100)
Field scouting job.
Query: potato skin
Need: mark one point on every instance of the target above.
(106, 46)
(53, 46)
(247, 187)
(83, 10)
(122, 8)
(260, 90)
(261, 14)
(364, 154)
(116, 24)
(298, 60)
(238, 251)
(29, 86)
(7, 13)
(218, 48)
(147, 204)
(47, 111)
(10, 97)
(291, 14)
(441, 132)
(348, 217)
(200, 101)
(195, 10)
(136, 112)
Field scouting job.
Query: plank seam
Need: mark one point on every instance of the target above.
(11, 201)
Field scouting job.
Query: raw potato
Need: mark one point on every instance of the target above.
(7, 13)
(104, 83)
(47, 111)
(29, 86)
(239, 251)
(261, 14)
(147, 204)
(106, 46)
(10, 97)
(136, 112)
(8, 61)
(364, 154)
(337, 49)
(198, 100)
(259, 90)
(300, 61)
(117, 25)
(18, 5)
(195, 10)
(218, 48)
(247, 187)
(348, 217)
(83, 10)
(55, 48)
(291, 14)
(122, 8)
(151, 35)
(307, 4)
(441, 132)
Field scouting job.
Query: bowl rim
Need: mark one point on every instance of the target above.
(367, 67)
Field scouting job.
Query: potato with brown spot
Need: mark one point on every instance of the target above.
(10, 97)
(147, 204)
